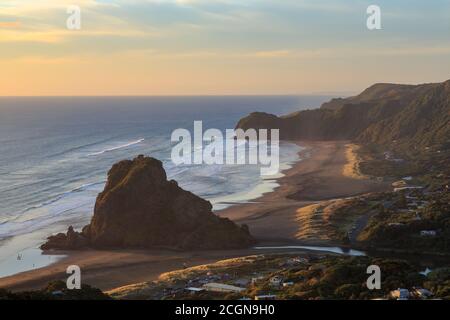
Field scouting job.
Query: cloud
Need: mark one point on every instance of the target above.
(286, 37)
(9, 24)
(271, 54)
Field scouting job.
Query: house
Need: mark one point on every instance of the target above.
(300, 260)
(317, 267)
(194, 290)
(266, 297)
(294, 261)
(288, 284)
(407, 188)
(422, 293)
(399, 184)
(396, 224)
(257, 279)
(276, 281)
(413, 204)
(221, 287)
(428, 233)
(400, 294)
(387, 155)
(422, 204)
(241, 282)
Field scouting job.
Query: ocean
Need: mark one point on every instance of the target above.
(55, 153)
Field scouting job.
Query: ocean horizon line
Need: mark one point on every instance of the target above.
(343, 94)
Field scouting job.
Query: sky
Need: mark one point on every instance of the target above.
(219, 47)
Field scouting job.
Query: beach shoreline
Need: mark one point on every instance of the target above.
(321, 175)
(316, 176)
(20, 253)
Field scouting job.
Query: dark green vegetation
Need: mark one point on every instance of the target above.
(438, 282)
(405, 116)
(307, 276)
(415, 221)
(430, 165)
(341, 278)
(404, 131)
(56, 290)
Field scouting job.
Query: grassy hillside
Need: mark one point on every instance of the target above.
(404, 116)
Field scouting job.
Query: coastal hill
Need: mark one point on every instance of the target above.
(401, 135)
(410, 115)
(139, 207)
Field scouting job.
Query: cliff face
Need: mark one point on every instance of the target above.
(415, 115)
(139, 207)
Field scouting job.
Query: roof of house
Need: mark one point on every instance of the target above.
(195, 289)
(222, 286)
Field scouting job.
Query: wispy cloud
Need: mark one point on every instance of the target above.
(229, 44)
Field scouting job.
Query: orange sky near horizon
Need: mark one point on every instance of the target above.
(194, 47)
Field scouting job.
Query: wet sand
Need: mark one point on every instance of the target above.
(323, 174)
(110, 269)
(271, 218)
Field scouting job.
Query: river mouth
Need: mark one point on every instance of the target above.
(426, 262)
(338, 250)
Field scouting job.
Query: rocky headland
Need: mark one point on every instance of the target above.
(140, 208)
(394, 116)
